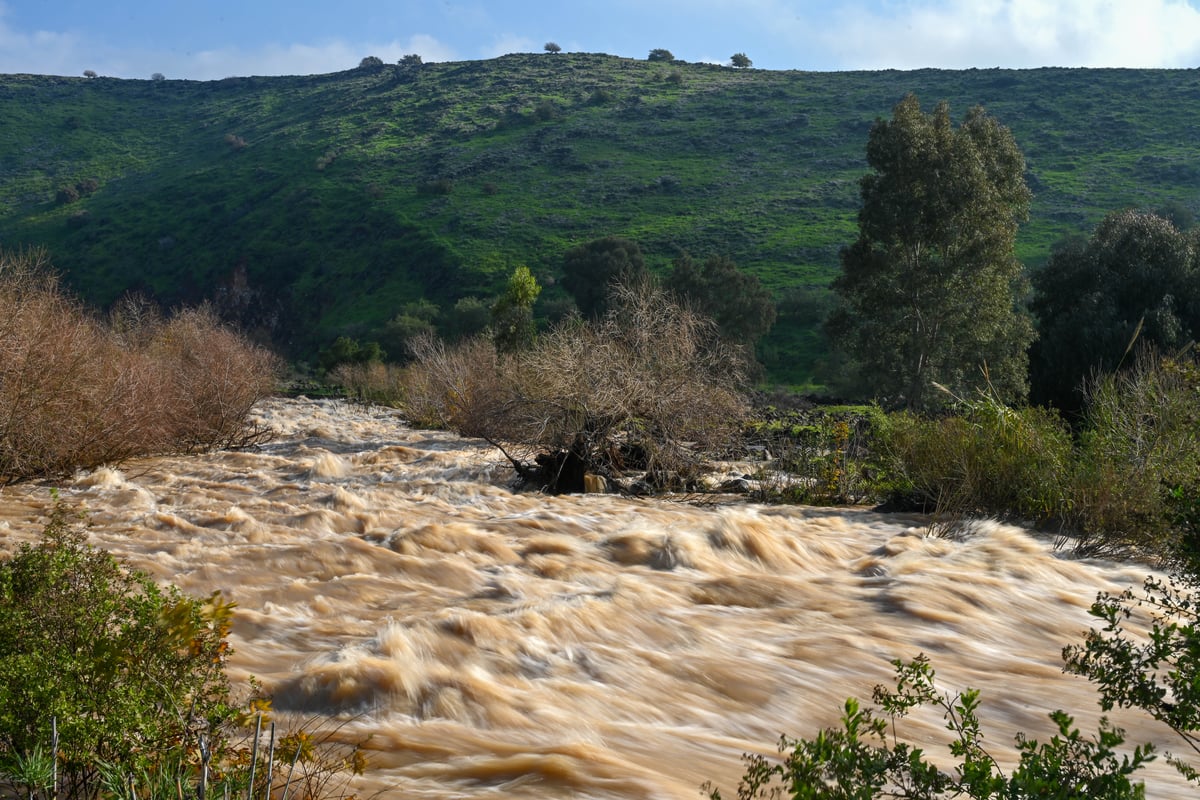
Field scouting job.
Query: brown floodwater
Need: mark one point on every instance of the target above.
(493, 644)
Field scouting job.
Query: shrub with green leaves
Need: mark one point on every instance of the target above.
(1159, 672)
(987, 458)
(1137, 485)
(867, 758)
(128, 670)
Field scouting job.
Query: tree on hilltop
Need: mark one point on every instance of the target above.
(740, 61)
(660, 54)
(928, 292)
(551, 47)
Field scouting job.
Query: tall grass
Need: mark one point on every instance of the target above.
(1125, 482)
(77, 392)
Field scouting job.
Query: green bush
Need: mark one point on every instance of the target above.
(987, 459)
(1137, 485)
(128, 671)
(866, 758)
(114, 687)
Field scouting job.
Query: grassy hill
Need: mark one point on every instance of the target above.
(310, 207)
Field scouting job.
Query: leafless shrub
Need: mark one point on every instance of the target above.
(373, 382)
(76, 392)
(215, 378)
(462, 388)
(648, 388)
(52, 372)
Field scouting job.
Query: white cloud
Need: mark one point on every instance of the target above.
(510, 43)
(1016, 33)
(306, 59)
(68, 53)
(39, 52)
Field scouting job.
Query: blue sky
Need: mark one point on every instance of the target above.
(204, 40)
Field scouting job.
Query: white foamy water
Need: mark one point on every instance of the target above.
(516, 645)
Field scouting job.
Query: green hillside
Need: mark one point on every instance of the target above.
(310, 207)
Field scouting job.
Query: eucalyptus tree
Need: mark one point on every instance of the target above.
(928, 293)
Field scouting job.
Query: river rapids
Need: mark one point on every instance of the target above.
(486, 643)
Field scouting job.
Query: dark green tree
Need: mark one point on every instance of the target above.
(552, 47)
(660, 54)
(512, 315)
(1133, 282)
(740, 61)
(415, 319)
(590, 271)
(346, 350)
(470, 315)
(370, 62)
(928, 292)
(742, 308)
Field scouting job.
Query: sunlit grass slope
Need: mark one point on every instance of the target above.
(311, 207)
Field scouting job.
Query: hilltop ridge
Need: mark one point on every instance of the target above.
(309, 207)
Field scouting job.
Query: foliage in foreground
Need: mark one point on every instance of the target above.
(868, 758)
(1158, 672)
(77, 392)
(128, 670)
(1145, 655)
(111, 686)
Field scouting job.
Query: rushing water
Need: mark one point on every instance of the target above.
(515, 645)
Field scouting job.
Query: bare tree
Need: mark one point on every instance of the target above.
(643, 392)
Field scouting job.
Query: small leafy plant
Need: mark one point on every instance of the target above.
(1158, 672)
(866, 758)
(111, 686)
